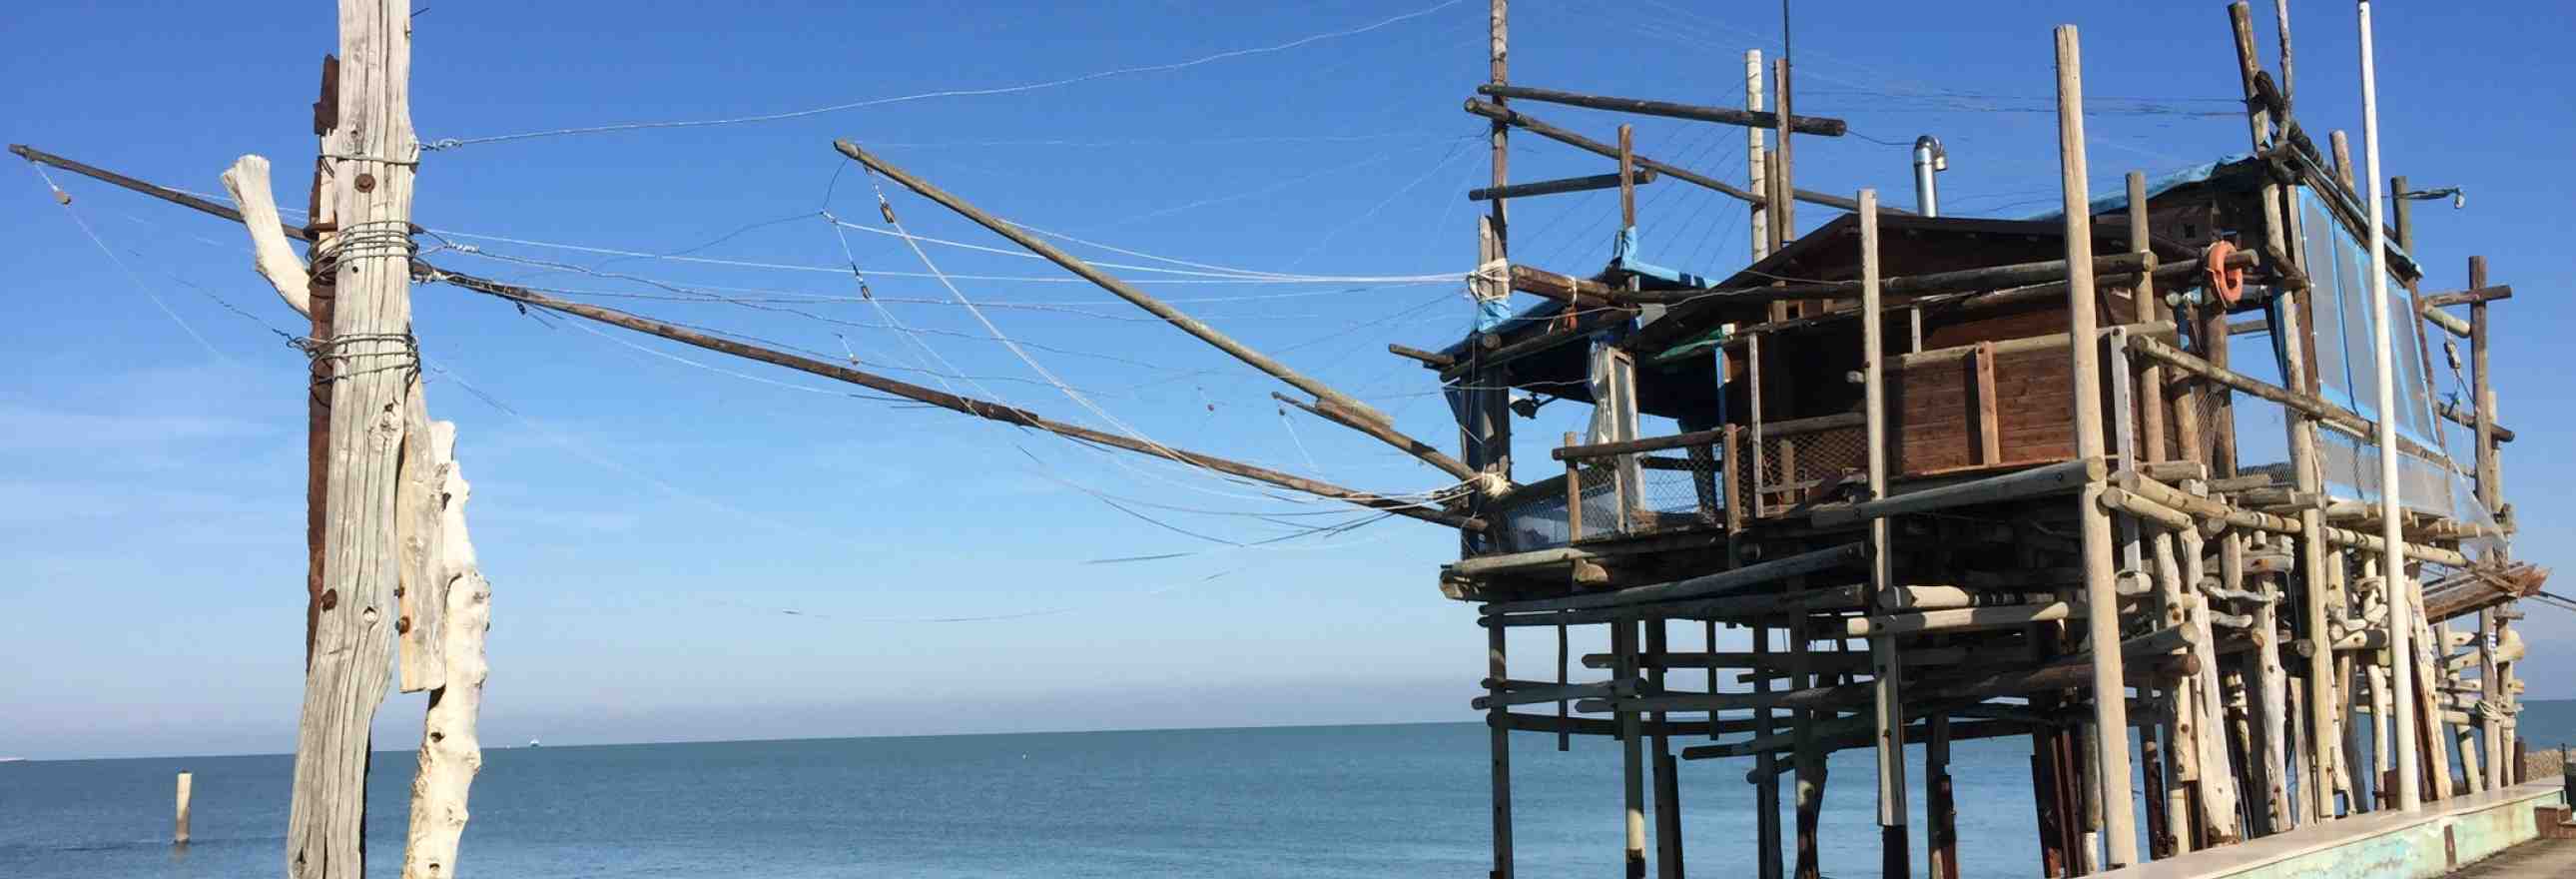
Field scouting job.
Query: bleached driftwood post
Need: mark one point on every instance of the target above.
(450, 754)
(275, 260)
(179, 833)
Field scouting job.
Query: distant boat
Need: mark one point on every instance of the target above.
(13, 759)
(533, 744)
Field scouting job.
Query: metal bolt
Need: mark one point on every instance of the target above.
(366, 182)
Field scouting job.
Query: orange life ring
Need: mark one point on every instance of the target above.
(2228, 283)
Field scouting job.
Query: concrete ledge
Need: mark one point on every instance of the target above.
(2423, 844)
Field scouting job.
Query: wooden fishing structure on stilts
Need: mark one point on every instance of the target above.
(1955, 478)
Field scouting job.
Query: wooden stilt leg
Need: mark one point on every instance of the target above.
(1668, 807)
(1810, 759)
(1623, 635)
(1940, 809)
(1498, 671)
(1766, 792)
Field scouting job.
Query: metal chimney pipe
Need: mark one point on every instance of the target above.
(1929, 159)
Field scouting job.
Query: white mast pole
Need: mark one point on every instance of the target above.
(2393, 577)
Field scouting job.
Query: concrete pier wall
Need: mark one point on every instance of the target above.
(2384, 845)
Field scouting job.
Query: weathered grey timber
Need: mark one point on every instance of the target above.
(375, 370)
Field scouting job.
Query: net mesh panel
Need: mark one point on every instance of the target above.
(1802, 467)
(1671, 489)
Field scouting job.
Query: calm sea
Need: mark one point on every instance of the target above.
(1355, 801)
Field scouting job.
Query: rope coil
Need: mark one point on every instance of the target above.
(375, 239)
(405, 355)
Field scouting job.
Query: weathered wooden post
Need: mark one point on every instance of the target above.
(1758, 225)
(1809, 754)
(1667, 770)
(1487, 434)
(1632, 758)
(2102, 620)
(179, 833)
(376, 368)
(450, 752)
(2491, 695)
(1887, 667)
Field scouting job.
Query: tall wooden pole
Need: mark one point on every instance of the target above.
(2102, 623)
(1887, 667)
(1782, 203)
(1623, 641)
(2398, 584)
(1758, 227)
(317, 408)
(2491, 695)
(2151, 307)
(1323, 393)
(1487, 433)
(377, 370)
(2490, 475)
(1667, 770)
(2320, 601)
(1766, 784)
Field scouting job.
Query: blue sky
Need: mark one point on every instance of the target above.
(647, 521)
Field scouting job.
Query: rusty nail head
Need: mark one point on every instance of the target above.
(402, 625)
(366, 182)
(330, 599)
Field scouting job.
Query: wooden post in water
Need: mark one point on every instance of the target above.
(2102, 624)
(1939, 806)
(1667, 778)
(1499, 731)
(1623, 642)
(179, 833)
(377, 370)
(1766, 785)
(1810, 758)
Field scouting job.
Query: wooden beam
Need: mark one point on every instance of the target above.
(1931, 283)
(1554, 187)
(1516, 119)
(163, 193)
(1501, 115)
(1704, 586)
(1819, 125)
(1583, 292)
(1422, 451)
(1766, 661)
(2050, 479)
(1121, 289)
(968, 405)
(2470, 296)
(1430, 359)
